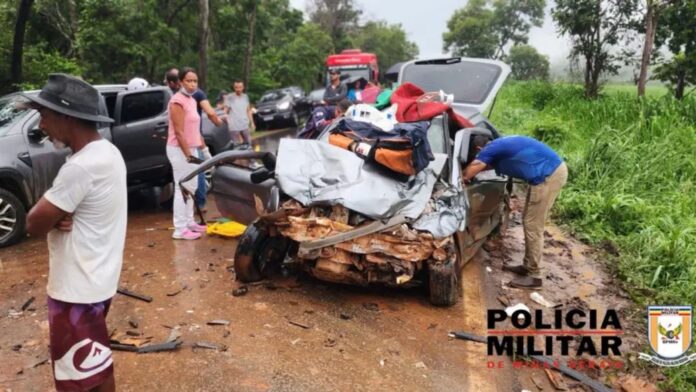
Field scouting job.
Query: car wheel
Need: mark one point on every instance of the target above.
(443, 282)
(259, 255)
(13, 217)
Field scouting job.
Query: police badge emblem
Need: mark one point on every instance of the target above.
(670, 335)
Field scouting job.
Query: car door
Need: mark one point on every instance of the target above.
(485, 193)
(140, 133)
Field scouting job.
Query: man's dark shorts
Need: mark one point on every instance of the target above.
(80, 351)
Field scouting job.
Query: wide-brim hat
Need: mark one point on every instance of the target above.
(70, 96)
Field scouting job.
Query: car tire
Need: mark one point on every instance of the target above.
(13, 217)
(443, 282)
(259, 255)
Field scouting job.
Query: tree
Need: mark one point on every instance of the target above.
(203, 32)
(512, 20)
(251, 17)
(594, 26)
(62, 20)
(121, 42)
(678, 32)
(18, 45)
(338, 17)
(679, 72)
(527, 63)
(478, 30)
(470, 31)
(301, 61)
(388, 42)
(653, 8)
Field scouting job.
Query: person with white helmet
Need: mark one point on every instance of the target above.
(137, 84)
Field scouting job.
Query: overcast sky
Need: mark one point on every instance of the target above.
(425, 21)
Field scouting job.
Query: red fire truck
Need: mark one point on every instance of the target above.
(353, 62)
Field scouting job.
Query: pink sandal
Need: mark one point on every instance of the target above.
(196, 228)
(186, 235)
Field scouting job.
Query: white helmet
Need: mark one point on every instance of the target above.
(137, 84)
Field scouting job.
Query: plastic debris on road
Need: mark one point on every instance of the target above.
(226, 229)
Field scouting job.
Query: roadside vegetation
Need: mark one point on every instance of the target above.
(631, 188)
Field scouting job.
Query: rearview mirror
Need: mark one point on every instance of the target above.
(36, 136)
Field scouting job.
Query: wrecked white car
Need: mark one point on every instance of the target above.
(326, 211)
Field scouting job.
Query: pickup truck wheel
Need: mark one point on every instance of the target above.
(443, 282)
(258, 255)
(12, 218)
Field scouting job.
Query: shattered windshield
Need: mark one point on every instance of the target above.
(9, 114)
(470, 82)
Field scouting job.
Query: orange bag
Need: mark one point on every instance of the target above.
(395, 154)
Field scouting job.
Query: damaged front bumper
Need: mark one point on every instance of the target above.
(338, 245)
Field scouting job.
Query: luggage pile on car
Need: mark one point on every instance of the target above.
(396, 137)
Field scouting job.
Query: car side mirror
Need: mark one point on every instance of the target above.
(261, 174)
(36, 136)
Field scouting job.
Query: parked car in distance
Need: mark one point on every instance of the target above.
(281, 108)
(29, 162)
(371, 251)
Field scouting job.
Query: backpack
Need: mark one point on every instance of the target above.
(405, 150)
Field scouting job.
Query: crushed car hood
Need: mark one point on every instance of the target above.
(316, 173)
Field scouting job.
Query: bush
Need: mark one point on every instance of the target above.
(632, 170)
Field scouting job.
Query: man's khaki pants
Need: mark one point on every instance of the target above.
(540, 199)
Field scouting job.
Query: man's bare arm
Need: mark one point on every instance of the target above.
(473, 169)
(210, 112)
(46, 216)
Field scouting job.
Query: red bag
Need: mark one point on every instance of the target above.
(406, 97)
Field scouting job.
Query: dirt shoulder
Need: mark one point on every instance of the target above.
(296, 333)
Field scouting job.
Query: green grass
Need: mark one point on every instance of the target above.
(632, 182)
(653, 91)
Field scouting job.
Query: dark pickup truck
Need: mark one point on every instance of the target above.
(29, 163)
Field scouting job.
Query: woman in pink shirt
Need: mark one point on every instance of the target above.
(183, 143)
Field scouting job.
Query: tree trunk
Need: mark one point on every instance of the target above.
(650, 27)
(18, 45)
(203, 31)
(250, 43)
(680, 85)
(73, 15)
(588, 75)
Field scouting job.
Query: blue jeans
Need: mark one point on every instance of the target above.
(202, 189)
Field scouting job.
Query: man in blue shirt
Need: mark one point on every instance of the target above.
(538, 165)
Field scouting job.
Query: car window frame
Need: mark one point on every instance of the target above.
(118, 111)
